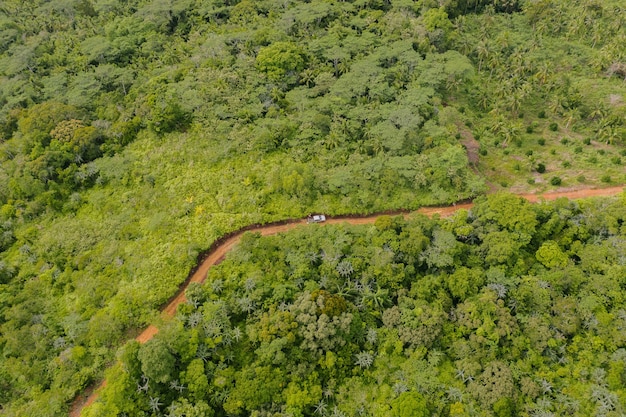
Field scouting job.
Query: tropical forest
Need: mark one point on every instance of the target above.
(158, 159)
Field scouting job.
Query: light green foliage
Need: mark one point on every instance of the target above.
(550, 255)
(195, 380)
(280, 59)
(135, 133)
(157, 362)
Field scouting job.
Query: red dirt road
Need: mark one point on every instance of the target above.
(220, 251)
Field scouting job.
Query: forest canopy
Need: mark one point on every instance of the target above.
(135, 133)
(491, 312)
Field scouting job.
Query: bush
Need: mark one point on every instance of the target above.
(506, 152)
(529, 152)
(581, 178)
(564, 141)
(542, 114)
(530, 181)
(529, 129)
(616, 160)
(555, 181)
(552, 151)
(587, 141)
(482, 151)
(578, 149)
(606, 178)
(541, 141)
(541, 168)
(622, 152)
(566, 164)
(457, 136)
(553, 126)
(592, 159)
(601, 151)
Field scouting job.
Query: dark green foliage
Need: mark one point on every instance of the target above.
(553, 126)
(541, 168)
(555, 181)
(135, 133)
(422, 316)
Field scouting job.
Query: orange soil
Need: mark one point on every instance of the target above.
(217, 255)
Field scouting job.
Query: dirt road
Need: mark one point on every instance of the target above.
(218, 253)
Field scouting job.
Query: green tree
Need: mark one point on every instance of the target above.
(279, 60)
(551, 255)
(410, 404)
(157, 362)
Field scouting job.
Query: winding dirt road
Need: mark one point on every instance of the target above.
(217, 254)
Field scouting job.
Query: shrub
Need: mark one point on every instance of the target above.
(601, 151)
(616, 160)
(482, 151)
(555, 181)
(541, 168)
(578, 149)
(458, 136)
(530, 181)
(477, 136)
(606, 178)
(529, 152)
(542, 114)
(506, 152)
(553, 126)
(529, 129)
(587, 141)
(541, 141)
(592, 159)
(564, 141)
(552, 151)
(581, 178)
(622, 152)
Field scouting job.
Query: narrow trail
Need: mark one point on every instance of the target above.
(216, 255)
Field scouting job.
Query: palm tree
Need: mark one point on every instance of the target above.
(570, 116)
(483, 50)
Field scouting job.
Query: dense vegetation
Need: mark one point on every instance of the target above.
(134, 133)
(510, 309)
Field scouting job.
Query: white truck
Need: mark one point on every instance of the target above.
(316, 218)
